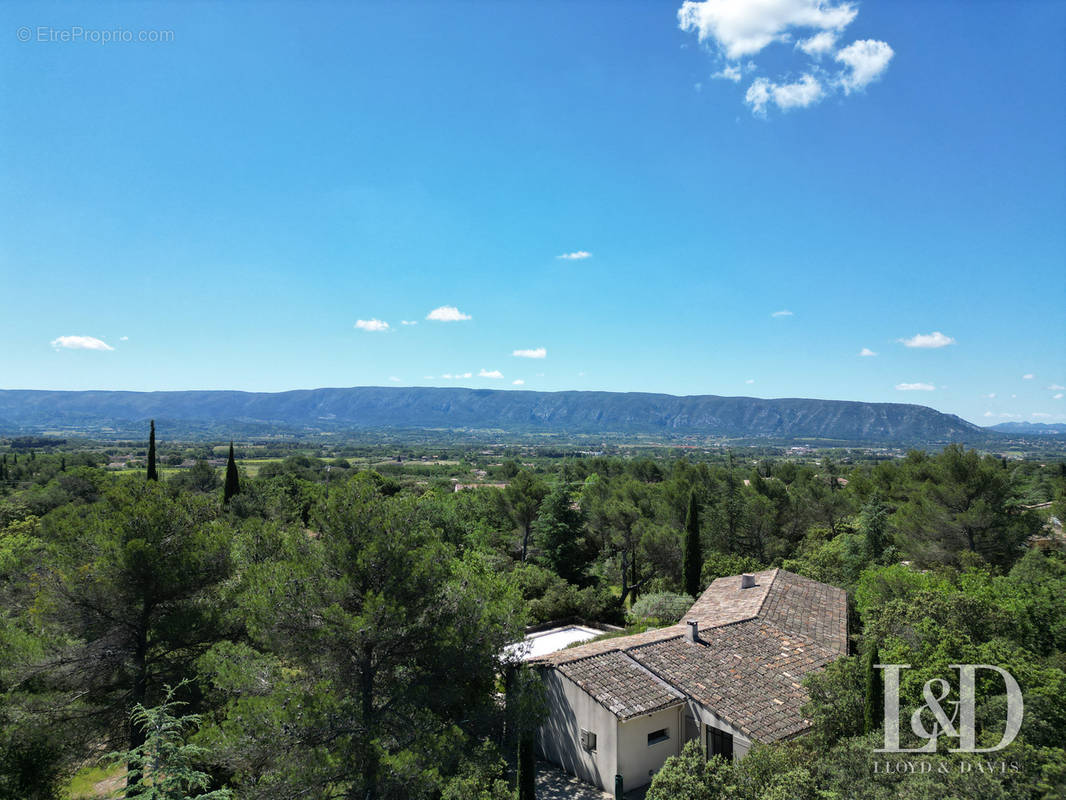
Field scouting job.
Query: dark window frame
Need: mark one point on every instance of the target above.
(659, 736)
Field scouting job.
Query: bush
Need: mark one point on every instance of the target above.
(661, 609)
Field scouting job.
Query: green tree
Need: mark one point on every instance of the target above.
(165, 762)
(152, 474)
(130, 581)
(692, 561)
(233, 483)
(379, 648)
(873, 700)
(557, 533)
(523, 496)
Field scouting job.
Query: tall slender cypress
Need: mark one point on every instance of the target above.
(873, 703)
(233, 482)
(152, 474)
(692, 558)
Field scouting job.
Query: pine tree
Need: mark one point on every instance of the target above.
(152, 474)
(692, 557)
(873, 704)
(233, 483)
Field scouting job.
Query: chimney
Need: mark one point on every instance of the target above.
(747, 581)
(693, 632)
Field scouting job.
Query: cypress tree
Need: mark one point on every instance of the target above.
(152, 474)
(873, 702)
(233, 483)
(63, 464)
(527, 766)
(692, 558)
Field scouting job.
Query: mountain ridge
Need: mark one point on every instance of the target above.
(372, 407)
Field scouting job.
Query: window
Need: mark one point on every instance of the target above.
(719, 743)
(660, 735)
(588, 740)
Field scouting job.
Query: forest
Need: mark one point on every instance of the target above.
(306, 627)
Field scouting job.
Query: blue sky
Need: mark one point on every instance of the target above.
(221, 208)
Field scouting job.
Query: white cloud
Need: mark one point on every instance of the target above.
(394, 379)
(577, 255)
(730, 72)
(750, 380)
(80, 343)
(484, 373)
(447, 314)
(536, 352)
(915, 387)
(866, 60)
(743, 28)
(123, 338)
(1056, 388)
(1028, 376)
(783, 313)
(408, 322)
(784, 95)
(457, 376)
(1041, 415)
(372, 325)
(866, 352)
(928, 340)
(1004, 415)
(1057, 396)
(989, 414)
(819, 44)
(989, 396)
(518, 382)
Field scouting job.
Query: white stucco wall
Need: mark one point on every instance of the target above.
(637, 760)
(569, 710)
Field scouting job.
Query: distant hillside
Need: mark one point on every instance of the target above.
(368, 408)
(1036, 428)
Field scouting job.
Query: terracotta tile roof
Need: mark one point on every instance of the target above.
(816, 610)
(748, 673)
(724, 601)
(621, 685)
(756, 645)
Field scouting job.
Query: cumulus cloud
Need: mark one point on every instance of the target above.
(750, 380)
(80, 343)
(990, 396)
(372, 325)
(819, 44)
(536, 352)
(1057, 396)
(1004, 415)
(447, 314)
(785, 96)
(518, 382)
(928, 340)
(1028, 376)
(783, 313)
(743, 28)
(457, 376)
(730, 72)
(1056, 388)
(123, 338)
(866, 59)
(577, 255)
(915, 387)
(866, 352)
(485, 373)
(394, 379)
(408, 322)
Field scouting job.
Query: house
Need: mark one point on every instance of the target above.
(729, 674)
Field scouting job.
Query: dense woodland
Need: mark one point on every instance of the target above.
(314, 628)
